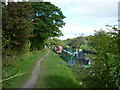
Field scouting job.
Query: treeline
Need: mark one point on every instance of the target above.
(26, 26)
(80, 42)
(54, 42)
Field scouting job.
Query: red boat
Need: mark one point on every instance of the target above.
(59, 49)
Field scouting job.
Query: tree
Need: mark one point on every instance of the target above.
(54, 42)
(17, 24)
(48, 18)
(105, 70)
(76, 42)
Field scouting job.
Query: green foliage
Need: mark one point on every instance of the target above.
(87, 47)
(55, 42)
(105, 72)
(27, 25)
(82, 42)
(16, 23)
(47, 19)
(77, 42)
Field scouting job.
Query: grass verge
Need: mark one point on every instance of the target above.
(26, 65)
(55, 74)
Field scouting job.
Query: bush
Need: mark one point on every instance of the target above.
(105, 72)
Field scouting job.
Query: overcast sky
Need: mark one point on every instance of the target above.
(85, 16)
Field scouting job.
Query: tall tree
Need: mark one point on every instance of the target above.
(16, 23)
(48, 18)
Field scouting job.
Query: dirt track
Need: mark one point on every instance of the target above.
(32, 81)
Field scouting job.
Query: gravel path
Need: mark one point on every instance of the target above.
(32, 81)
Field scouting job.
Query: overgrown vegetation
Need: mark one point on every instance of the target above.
(24, 66)
(105, 70)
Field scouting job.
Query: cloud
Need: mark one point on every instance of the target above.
(85, 16)
(72, 30)
(89, 9)
(92, 8)
(77, 1)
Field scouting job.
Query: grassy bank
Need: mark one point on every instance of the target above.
(26, 65)
(55, 74)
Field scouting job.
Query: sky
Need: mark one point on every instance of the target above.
(85, 16)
